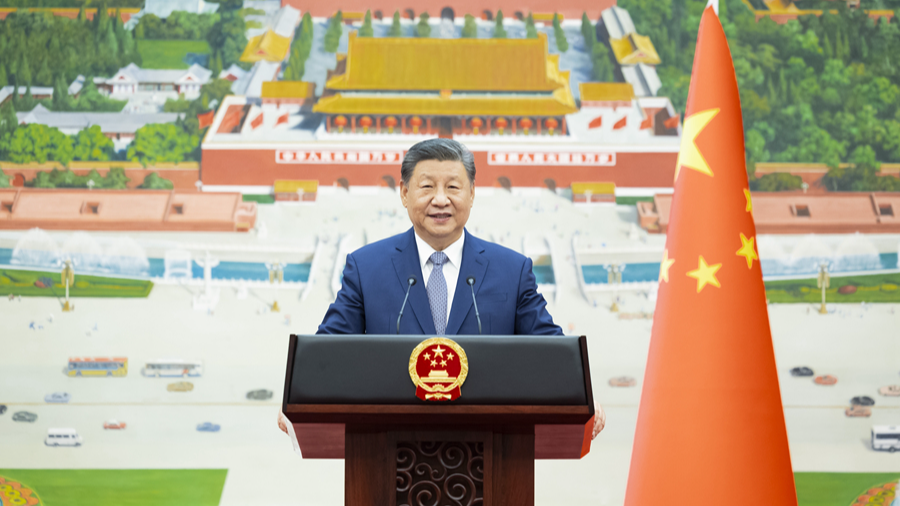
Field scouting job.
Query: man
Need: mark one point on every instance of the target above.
(439, 263)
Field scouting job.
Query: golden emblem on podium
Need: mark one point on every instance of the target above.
(438, 367)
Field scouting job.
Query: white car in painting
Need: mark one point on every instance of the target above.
(57, 397)
(62, 437)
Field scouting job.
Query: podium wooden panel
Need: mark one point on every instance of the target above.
(459, 450)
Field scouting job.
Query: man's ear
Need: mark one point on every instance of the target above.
(404, 190)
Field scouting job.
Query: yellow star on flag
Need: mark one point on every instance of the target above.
(689, 155)
(747, 251)
(749, 207)
(705, 274)
(664, 266)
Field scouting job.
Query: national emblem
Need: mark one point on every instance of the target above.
(438, 380)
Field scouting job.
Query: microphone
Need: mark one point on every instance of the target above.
(471, 281)
(410, 282)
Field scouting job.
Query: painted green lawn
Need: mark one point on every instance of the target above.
(21, 282)
(169, 54)
(869, 288)
(260, 199)
(125, 487)
(837, 489)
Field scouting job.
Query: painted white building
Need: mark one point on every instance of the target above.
(132, 80)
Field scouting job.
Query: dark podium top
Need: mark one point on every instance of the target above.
(335, 381)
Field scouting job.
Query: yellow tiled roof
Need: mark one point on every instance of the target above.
(426, 64)
(596, 188)
(268, 46)
(288, 89)
(559, 103)
(292, 185)
(633, 49)
(606, 92)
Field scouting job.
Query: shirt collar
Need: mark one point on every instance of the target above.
(454, 251)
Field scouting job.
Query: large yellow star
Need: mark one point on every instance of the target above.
(689, 155)
(664, 267)
(749, 207)
(747, 251)
(705, 274)
(439, 352)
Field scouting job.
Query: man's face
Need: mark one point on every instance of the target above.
(438, 198)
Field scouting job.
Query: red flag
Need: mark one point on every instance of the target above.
(621, 123)
(711, 423)
(206, 119)
(282, 119)
(647, 123)
(596, 122)
(257, 121)
(671, 122)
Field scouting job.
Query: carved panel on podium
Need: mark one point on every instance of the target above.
(434, 473)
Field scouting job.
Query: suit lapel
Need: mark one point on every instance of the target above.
(473, 264)
(406, 263)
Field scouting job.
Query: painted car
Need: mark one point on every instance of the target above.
(24, 416)
(862, 400)
(208, 427)
(57, 397)
(63, 437)
(825, 379)
(2, 408)
(180, 386)
(622, 381)
(802, 371)
(858, 410)
(886, 438)
(259, 395)
(113, 425)
(890, 391)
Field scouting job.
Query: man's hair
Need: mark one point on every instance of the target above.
(442, 150)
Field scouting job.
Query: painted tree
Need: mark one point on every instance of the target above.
(153, 182)
(470, 28)
(560, 35)
(91, 144)
(116, 179)
(499, 30)
(530, 30)
(3, 79)
(23, 76)
(366, 29)
(300, 50)
(156, 143)
(395, 30)
(40, 143)
(423, 29)
(334, 32)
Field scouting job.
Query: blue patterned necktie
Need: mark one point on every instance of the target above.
(437, 292)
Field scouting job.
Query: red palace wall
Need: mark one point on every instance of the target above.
(259, 168)
(571, 10)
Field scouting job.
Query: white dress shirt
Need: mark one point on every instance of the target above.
(450, 269)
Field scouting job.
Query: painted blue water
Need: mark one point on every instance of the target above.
(251, 271)
(544, 274)
(594, 274)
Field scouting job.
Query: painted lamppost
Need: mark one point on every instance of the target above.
(276, 273)
(614, 278)
(823, 282)
(68, 279)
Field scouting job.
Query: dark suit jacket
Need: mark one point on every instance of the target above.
(375, 282)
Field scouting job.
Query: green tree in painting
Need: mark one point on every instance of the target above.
(560, 35)
(530, 30)
(116, 179)
(366, 29)
(300, 50)
(91, 144)
(3, 79)
(226, 36)
(776, 182)
(156, 143)
(395, 30)
(423, 29)
(4, 180)
(23, 76)
(499, 30)
(40, 143)
(334, 32)
(153, 182)
(469, 29)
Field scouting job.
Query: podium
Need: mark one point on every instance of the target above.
(524, 398)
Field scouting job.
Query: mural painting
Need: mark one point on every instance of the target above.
(181, 181)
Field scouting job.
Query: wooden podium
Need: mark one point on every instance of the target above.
(525, 398)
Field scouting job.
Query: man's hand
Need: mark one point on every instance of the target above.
(282, 423)
(599, 419)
